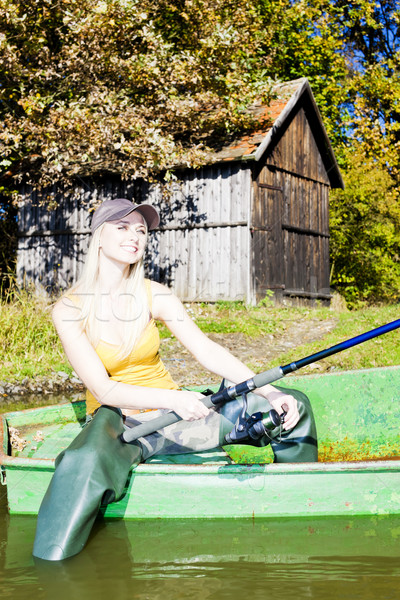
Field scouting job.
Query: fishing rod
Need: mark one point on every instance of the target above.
(230, 393)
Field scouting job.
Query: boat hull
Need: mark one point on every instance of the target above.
(211, 485)
(235, 491)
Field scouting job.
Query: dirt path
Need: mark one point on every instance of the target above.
(256, 353)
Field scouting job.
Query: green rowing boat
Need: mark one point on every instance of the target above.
(358, 472)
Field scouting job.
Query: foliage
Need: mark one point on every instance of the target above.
(365, 233)
(130, 87)
(352, 61)
(304, 42)
(122, 86)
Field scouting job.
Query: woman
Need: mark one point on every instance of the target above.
(107, 327)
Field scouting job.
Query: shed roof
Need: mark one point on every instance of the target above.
(273, 118)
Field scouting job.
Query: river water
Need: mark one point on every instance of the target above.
(328, 559)
(319, 558)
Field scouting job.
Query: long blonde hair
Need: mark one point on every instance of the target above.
(87, 295)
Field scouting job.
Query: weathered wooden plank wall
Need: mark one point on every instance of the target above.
(51, 242)
(204, 239)
(297, 150)
(228, 231)
(201, 249)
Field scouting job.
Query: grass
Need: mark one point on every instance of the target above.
(252, 321)
(382, 351)
(267, 319)
(31, 349)
(29, 345)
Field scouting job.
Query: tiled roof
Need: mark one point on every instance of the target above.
(246, 147)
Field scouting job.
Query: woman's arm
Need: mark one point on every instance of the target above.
(170, 310)
(87, 364)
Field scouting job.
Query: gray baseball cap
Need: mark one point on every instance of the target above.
(112, 210)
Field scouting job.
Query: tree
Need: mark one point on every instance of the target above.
(123, 86)
(132, 87)
(365, 233)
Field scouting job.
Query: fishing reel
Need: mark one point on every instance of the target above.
(253, 428)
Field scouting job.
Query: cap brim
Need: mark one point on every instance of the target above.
(149, 213)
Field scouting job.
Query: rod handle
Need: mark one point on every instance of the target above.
(268, 377)
(134, 433)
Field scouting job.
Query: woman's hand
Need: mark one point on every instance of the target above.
(188, 406)
(281, 401)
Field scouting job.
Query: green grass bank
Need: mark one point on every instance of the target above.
(30, 348)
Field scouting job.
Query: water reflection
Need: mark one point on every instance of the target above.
(318, 558)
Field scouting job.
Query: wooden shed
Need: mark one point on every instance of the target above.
(256, 218)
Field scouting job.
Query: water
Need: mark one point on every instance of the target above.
(328, 559)
(304, 558)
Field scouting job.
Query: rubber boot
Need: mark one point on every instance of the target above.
(295, 445)
(91, 472)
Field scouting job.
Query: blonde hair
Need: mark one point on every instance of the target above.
(87, 295)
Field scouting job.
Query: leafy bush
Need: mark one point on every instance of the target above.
(365, 233)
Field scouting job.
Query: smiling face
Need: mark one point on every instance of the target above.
(124, 241)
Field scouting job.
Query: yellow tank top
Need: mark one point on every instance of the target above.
(142, 367)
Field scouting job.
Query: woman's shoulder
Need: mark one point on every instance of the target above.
(159, 291)
(67, 304)
(163, 300)
(157, 287)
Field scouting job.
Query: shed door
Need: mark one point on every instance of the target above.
(267, 240)
(290, 238)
